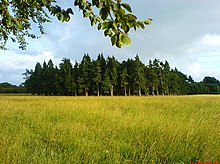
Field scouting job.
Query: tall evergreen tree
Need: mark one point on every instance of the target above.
(103, 66)
(66, 75)
(112, 65)
(28, 76)
(75, 75)
(152, 78)
(139, 79)
(106, 83)
(130, 65)
(84, 79)
(96, 75)
(50, 77)
(124, 80)
(37, 79)
(44, 83)
(165, 78)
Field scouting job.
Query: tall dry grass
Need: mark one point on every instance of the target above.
(109, 129)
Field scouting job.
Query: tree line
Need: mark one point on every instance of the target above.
(9, 88)
(111, 77)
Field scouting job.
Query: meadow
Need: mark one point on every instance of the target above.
(172, 129)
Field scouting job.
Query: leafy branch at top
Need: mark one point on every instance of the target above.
(18, 17)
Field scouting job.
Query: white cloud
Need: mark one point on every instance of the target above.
(203, 57)
(195, 69)
(13, 65)
(205, 44)
(13, 61)
(211, 40)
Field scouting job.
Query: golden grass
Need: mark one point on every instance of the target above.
(181, 129)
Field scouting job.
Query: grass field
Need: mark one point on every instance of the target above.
(109, 129)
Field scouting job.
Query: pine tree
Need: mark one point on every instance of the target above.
(164, 78)
(44, 83)
(112, 65)
(103, 66)
(96, 75)
(66, 75)
(124, 80)
(84, 79)
(50, 78)
(130, 65)
(75, 74)
(139, 79)
(37, 80)
(106, 83)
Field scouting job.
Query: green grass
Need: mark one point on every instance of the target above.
(109, 129)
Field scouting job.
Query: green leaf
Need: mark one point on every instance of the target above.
(131, 17)
(141, 24)
(121, 13)
(103, 13)
(119, 44)
(125, 27)
(124, 39)
(127, 7)
(60, 17)
(9, 23)
(99, 26)
(67, 18)
(85, 14)
(45, 3)
(93, 21)
(108, 33)
(69, 11)
(112, 25)
(19, 26)
(115, 6)
(114, 39)
(105, 25)
(148, 21)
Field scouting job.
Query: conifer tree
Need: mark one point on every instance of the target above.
(112, 65)
(66, 75)
(85, 78)
(96, 75)
(139, 79)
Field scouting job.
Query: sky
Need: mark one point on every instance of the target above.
(186, 33)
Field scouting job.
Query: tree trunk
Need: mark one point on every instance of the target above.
(157, 90)
(129, 91)
(112, 90)
(146, 93)
(152, 90)
(139, 91)
(87, 93)
(125, 91)
(98, 90)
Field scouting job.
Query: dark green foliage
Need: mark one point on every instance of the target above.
(85, 75)
(209, 85)
(66, 69)
(110, 77)
(112, 65)
(96, 76)
(124, 77)
(139, 79)
(9, 88)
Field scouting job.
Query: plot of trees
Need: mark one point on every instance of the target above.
(111, 77)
